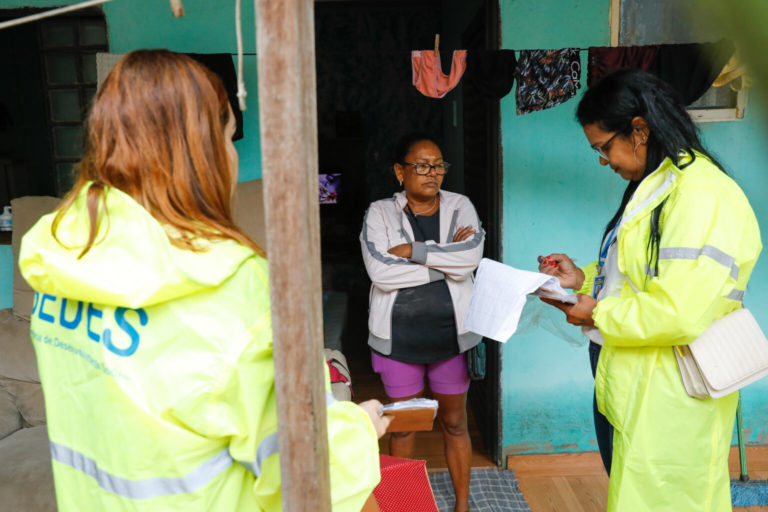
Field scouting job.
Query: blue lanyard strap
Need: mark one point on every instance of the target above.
(600, 278)
(609, 240)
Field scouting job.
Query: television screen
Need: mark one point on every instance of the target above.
(329, 187)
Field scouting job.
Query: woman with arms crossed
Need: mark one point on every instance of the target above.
(420, 248)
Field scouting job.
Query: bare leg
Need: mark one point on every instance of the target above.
(401, 444)
(452, 415)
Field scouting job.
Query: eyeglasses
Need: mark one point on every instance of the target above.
(422, 168)
(600, 150)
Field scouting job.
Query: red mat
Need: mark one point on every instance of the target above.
(404, 486)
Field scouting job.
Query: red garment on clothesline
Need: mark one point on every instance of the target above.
(428, 76)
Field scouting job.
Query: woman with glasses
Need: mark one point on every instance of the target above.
(675, 256)
(420, 248)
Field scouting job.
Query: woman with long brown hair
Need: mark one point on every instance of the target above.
(151, 321)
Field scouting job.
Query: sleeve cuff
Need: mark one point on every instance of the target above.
(419, 252)
(590, 272)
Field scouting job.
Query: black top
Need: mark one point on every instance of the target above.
(423, 320)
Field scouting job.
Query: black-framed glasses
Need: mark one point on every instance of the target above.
(423, 168)
(600, 150)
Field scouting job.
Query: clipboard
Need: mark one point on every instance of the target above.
(417, 414)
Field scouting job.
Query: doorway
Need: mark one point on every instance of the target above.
(365, 101)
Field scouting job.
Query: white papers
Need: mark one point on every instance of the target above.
(499, 294)
(413, 403)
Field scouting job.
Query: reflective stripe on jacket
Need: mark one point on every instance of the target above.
(156, 365)
(670, 450)
(386, 226)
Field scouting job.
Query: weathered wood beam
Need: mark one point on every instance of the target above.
(288, 119)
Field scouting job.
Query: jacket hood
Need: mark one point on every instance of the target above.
(131, 264)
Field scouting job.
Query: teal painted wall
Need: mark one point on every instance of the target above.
(6, 276)
(557, 198)
(207, 27)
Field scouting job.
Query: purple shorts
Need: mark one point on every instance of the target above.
(446, 377)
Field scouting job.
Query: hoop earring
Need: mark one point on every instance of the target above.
(634, 152)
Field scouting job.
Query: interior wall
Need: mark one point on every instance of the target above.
(363, 65)
(366, 101)
(456, 16)
(557, 198)
(207, 27)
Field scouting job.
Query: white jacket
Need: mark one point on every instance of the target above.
(386, 226)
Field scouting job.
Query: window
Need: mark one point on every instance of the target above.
(640, 22)
(68, 47)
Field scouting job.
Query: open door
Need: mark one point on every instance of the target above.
(483, 185)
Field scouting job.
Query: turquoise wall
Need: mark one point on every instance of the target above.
(557, 198)
(207, 27)
(6, 277)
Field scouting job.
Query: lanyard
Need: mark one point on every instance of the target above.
(607, 243)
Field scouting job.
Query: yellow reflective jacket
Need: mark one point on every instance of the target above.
(670, 450)
(156, 365)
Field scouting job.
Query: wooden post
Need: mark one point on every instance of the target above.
(288, 119)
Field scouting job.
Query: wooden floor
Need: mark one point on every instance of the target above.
(576, 482)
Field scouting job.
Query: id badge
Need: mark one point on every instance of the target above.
(597, 285)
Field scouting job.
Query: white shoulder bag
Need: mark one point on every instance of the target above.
(730, 354)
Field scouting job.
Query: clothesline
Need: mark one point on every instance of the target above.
(548, 77)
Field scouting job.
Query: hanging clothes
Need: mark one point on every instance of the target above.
(692, 68)
(604, 59)
(491, 72)
(428, 76)
(222, 66)
(546, 78)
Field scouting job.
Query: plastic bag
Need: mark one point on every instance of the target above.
(540, 315)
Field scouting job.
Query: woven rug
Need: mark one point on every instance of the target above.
(753, 493)
(490, 490)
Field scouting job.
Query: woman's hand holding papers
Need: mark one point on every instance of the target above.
(379, 421)
(562, 267)
(570, 276)
(577, 314)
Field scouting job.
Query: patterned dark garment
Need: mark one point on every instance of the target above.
(546, 78)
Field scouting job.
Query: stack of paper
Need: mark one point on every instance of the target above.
(499, 295)
(411, 415)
